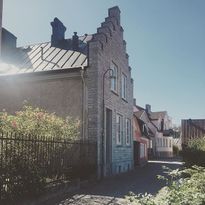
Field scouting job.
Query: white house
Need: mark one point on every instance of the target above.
(163, 141)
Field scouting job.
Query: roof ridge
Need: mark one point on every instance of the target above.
(33, 44)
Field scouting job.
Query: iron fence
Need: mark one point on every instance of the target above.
(29, 162)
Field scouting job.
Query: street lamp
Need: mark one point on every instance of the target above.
(103, 116)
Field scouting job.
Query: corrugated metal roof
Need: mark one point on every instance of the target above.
(43, 57)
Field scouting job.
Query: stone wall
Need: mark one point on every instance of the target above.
(108, 47)
(60, 94)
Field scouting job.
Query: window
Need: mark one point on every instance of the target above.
(124, 87)
(114, 79)
(170, 143)
(128, 131)
(159, 142)
(143, 128)
(163, 142)
(142, 150)
(150, 143)
(119, 130)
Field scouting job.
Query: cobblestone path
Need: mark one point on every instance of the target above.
(112, 191)
(93, 200)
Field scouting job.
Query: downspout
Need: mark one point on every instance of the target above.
(83, 101)
(1, 12)
(103, 123)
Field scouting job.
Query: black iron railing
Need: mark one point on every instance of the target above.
(27, 163)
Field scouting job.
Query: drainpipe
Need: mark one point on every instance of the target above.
(83, 101)
(1, 11)
(103, 120)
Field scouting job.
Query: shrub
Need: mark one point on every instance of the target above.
(22, 172)
(197, 144)
(20, 179)
(194, 153)
(38, 122)
(185, 187)
(175, 150)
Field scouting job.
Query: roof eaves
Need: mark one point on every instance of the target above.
(139, 107)
(41, 73)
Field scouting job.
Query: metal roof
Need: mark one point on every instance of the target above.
(43, 57)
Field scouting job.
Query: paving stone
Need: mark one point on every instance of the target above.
(112, 191)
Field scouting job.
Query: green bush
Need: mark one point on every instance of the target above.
(20, 179)
(184, 187)
(197, 144)
(38, 122)
(175, 150)
(22, 172)
(194, 152)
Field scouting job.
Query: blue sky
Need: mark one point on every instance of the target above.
(165, 42)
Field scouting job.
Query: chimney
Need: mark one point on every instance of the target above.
(134, 101)
(75, 42)
(58, 32)
(7, 40)
(1, 12)
(148, 108)
(162, 125)
(8, 44)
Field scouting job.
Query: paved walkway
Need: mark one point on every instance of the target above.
(112, 191)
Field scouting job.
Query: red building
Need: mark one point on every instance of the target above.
(141, 138)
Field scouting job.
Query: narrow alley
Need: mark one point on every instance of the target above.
(112, 191)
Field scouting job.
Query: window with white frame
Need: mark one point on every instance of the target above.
(170, 143)
(150, 143)
(124, 87)
(119, 130)
(142, 150)
(159, 142)
(128, 131)
(166, 145)
(164, 142)
(113, 84)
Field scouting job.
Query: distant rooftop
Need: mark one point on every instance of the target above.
(157, 115)
(138, 114)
